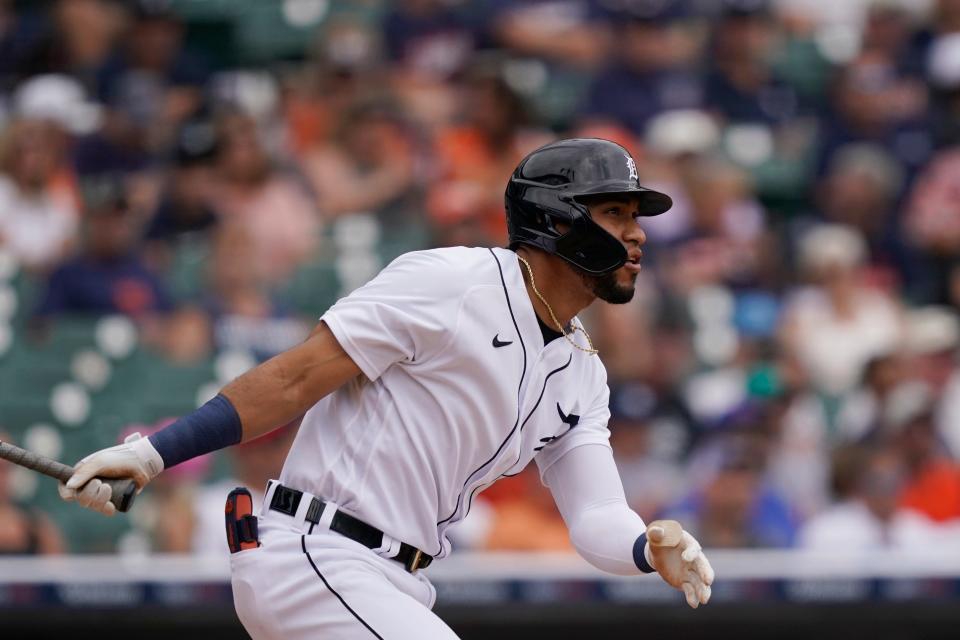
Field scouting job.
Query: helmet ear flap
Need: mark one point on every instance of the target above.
(533, 219)
(589, 247)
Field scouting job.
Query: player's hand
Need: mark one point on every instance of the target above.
(136, 458)
(678, 558)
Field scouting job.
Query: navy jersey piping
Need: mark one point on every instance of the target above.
(523, 374)
(525, 420)
(303, 545)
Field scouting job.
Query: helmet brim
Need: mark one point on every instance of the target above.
(652, 203)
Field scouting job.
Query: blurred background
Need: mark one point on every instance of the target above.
(186, 185)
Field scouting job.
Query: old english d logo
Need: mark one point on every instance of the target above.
(632, 168)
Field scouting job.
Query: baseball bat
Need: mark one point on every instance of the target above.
(123, 490)
(670, 534)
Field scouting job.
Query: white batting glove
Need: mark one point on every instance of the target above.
(678, 558)
(136, 458)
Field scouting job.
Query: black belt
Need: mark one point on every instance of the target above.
(287, 500)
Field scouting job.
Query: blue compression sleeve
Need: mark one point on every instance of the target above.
(213, 426)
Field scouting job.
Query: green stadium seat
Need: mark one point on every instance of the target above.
(313, 288)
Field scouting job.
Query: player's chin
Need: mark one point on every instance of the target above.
(616, 288)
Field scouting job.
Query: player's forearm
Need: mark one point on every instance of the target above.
(605, 531)
(266, 397)
(284, 387)
(606, 536)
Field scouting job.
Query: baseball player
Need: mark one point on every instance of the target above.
(449, 370)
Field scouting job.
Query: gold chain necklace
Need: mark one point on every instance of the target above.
(576, 327)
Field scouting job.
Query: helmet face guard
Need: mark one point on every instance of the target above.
(544, 190)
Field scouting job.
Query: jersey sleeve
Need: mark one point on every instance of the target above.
(406, 312)
(591, 428)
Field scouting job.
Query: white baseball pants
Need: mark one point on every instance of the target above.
(300, 585)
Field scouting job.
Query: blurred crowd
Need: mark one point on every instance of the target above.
(787, 374)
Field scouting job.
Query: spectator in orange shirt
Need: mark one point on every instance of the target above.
(933, 478)
(526, 518)
(466, 204)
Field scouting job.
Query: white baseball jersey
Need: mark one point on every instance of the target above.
(459, 390)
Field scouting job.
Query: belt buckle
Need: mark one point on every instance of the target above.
(412, 563)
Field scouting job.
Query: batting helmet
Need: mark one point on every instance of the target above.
(546, 186)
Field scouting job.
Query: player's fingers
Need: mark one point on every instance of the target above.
(655, 534)
(691, 548)
(66, 493)
(82, 473)
(107, 508)
(102, 500)
(95, 495)
(691, 594)
(703, 568)
(701, 589)
(87, 496)
(704, 593)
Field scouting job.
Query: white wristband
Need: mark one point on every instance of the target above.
(146, 453)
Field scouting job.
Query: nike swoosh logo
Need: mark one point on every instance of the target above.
(497, 343)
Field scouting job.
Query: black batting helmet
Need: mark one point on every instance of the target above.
(545, 187)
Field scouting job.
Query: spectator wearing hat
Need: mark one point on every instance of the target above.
(108, 275)
(871, 101)
(741, 84)
(932, 341)
(652, 69)
(74, 38)
(38, 207)
(861, 189)
(429, 44)
(427, 38)
(149, 86)
(151, 82)
(187, 207)
(838, 323)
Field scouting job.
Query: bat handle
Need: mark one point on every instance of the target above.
(123, 492)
